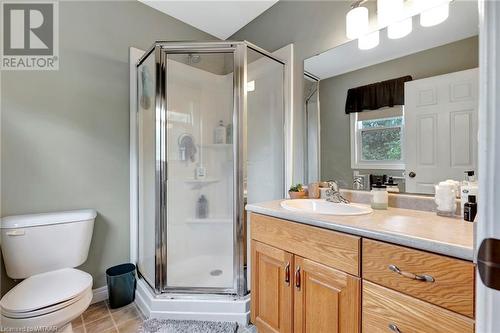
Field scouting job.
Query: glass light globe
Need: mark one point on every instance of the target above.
(369, 41)
(400, 29)
(435, 16)
(356, 22)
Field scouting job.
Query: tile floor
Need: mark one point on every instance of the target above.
(100, 318)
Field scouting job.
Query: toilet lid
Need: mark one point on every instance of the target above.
(46, 290)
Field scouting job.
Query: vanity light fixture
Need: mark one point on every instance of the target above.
(436, 15)
(357, 20)
(369, 41)
(395, 15)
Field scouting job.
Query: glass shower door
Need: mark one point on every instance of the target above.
(199, 153)
(147, 134)
(264, 127)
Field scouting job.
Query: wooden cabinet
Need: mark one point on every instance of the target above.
(325, 299)
(304, 278)
(386, 311)
(434, 278)
(271, 289)
(294, 294)
(334, 249)
(307, 280)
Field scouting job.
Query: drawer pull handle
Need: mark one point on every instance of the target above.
(297, 278)
(287, 274)
(418, 277)
(394, 328)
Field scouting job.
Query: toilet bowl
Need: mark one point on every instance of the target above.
(42, 249)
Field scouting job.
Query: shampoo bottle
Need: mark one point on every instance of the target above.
(220, 133)
(469, 187)
(470, 209)
(202, 207)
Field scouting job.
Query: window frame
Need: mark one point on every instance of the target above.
(358, 163)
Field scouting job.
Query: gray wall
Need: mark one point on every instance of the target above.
(65, 134)
(313, 27)
(335, 133)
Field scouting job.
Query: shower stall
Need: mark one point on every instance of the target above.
(210, 138)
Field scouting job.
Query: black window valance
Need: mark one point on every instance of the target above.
(376, 95)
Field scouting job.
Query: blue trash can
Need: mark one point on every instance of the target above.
(121, 285)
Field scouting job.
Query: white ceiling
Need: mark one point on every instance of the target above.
(462, 23)
(218, 18)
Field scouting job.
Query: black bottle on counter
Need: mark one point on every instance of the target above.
(470, 209)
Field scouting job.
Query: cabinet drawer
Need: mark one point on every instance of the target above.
(385, 310)
(328, 247)
(441, 280)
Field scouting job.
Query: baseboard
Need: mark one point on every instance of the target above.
(99, 294)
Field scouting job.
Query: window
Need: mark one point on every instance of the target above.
(377, 139)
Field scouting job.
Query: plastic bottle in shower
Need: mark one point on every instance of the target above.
(202, 207)
(220, 133)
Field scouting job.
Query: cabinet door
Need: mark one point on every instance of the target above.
(326, 300)
(272, 289)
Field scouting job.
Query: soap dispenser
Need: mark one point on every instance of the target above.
(380, 197)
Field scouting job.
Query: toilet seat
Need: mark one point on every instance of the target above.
(54, 320)
(45, 293)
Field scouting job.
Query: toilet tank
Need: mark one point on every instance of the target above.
(38, 243)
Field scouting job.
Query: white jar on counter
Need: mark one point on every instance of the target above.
(380, 197)
(445, 194)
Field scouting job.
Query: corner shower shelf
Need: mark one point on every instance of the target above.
(216, 145)
(210, 221)
(199, 183)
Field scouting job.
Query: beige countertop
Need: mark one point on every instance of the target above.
(417, 229)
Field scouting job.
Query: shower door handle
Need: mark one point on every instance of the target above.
(287, 274)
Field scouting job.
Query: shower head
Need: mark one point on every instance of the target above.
(194, 58)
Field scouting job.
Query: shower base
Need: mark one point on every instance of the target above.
(202, 271)
(192, 307)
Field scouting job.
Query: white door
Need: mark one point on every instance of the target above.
(488, 227)
(440, 129)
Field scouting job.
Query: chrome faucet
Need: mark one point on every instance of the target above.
(333, 193)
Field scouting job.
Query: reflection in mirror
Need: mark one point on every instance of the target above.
(311, 130)
(404, 112)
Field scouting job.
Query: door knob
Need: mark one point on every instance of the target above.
(488, 263)
(412, 174)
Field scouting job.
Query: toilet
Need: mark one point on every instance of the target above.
(42, 251)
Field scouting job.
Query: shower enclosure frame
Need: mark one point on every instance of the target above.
(239, 49)
(307, 157)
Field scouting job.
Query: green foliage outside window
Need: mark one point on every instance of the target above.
(382, 144)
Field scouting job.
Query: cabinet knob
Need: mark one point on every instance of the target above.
(287, 274)
(394, 328)
(297, 277)
(412, 174)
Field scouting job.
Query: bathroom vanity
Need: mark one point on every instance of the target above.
(397, 270)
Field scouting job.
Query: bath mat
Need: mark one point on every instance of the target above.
(187, 326)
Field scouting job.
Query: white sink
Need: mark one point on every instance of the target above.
(320, 206)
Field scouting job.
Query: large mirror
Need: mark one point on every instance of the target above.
(404, 111)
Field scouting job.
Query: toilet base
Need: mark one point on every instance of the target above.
(66, 329)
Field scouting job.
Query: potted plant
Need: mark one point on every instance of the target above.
(297, 192)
